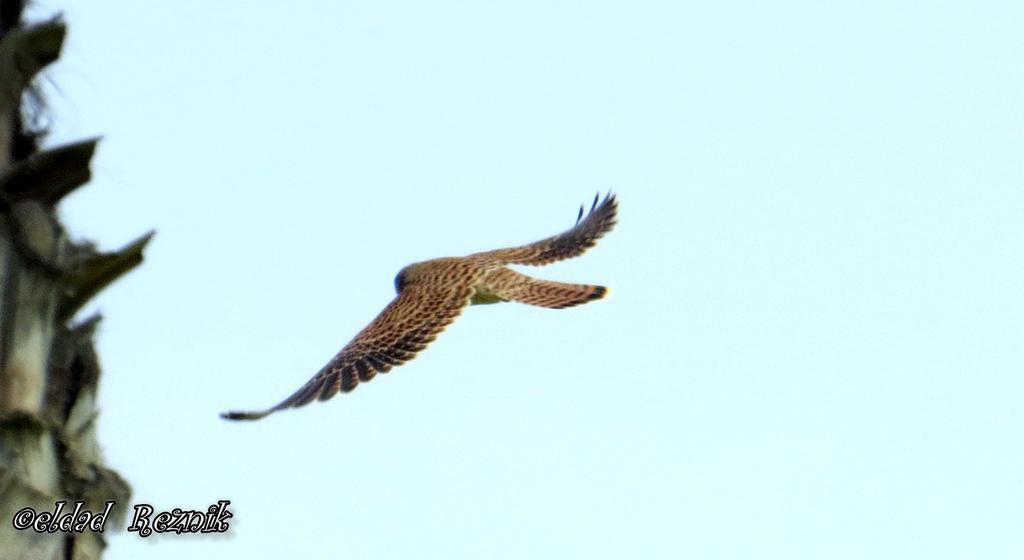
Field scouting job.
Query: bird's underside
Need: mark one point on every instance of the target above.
(431, 294)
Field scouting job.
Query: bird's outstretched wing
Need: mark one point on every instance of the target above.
(411, 321)
(571, 243)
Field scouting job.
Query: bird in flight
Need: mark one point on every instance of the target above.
(431, 294)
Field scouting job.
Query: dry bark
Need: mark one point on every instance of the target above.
(49, 371)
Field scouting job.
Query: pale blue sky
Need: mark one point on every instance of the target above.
(813, 343)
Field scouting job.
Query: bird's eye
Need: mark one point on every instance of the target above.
(400, 281)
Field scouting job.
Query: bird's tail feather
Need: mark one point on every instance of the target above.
(511, 285)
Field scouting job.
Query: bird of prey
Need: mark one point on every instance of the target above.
(431, 294)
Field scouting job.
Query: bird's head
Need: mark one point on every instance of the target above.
(405, 277)
(414, 273)
(400, 280)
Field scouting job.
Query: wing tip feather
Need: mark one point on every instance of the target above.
(241, 415)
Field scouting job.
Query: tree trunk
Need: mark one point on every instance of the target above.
(48, 369)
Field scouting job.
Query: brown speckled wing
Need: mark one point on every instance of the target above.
(571, 243)
(411, 321)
